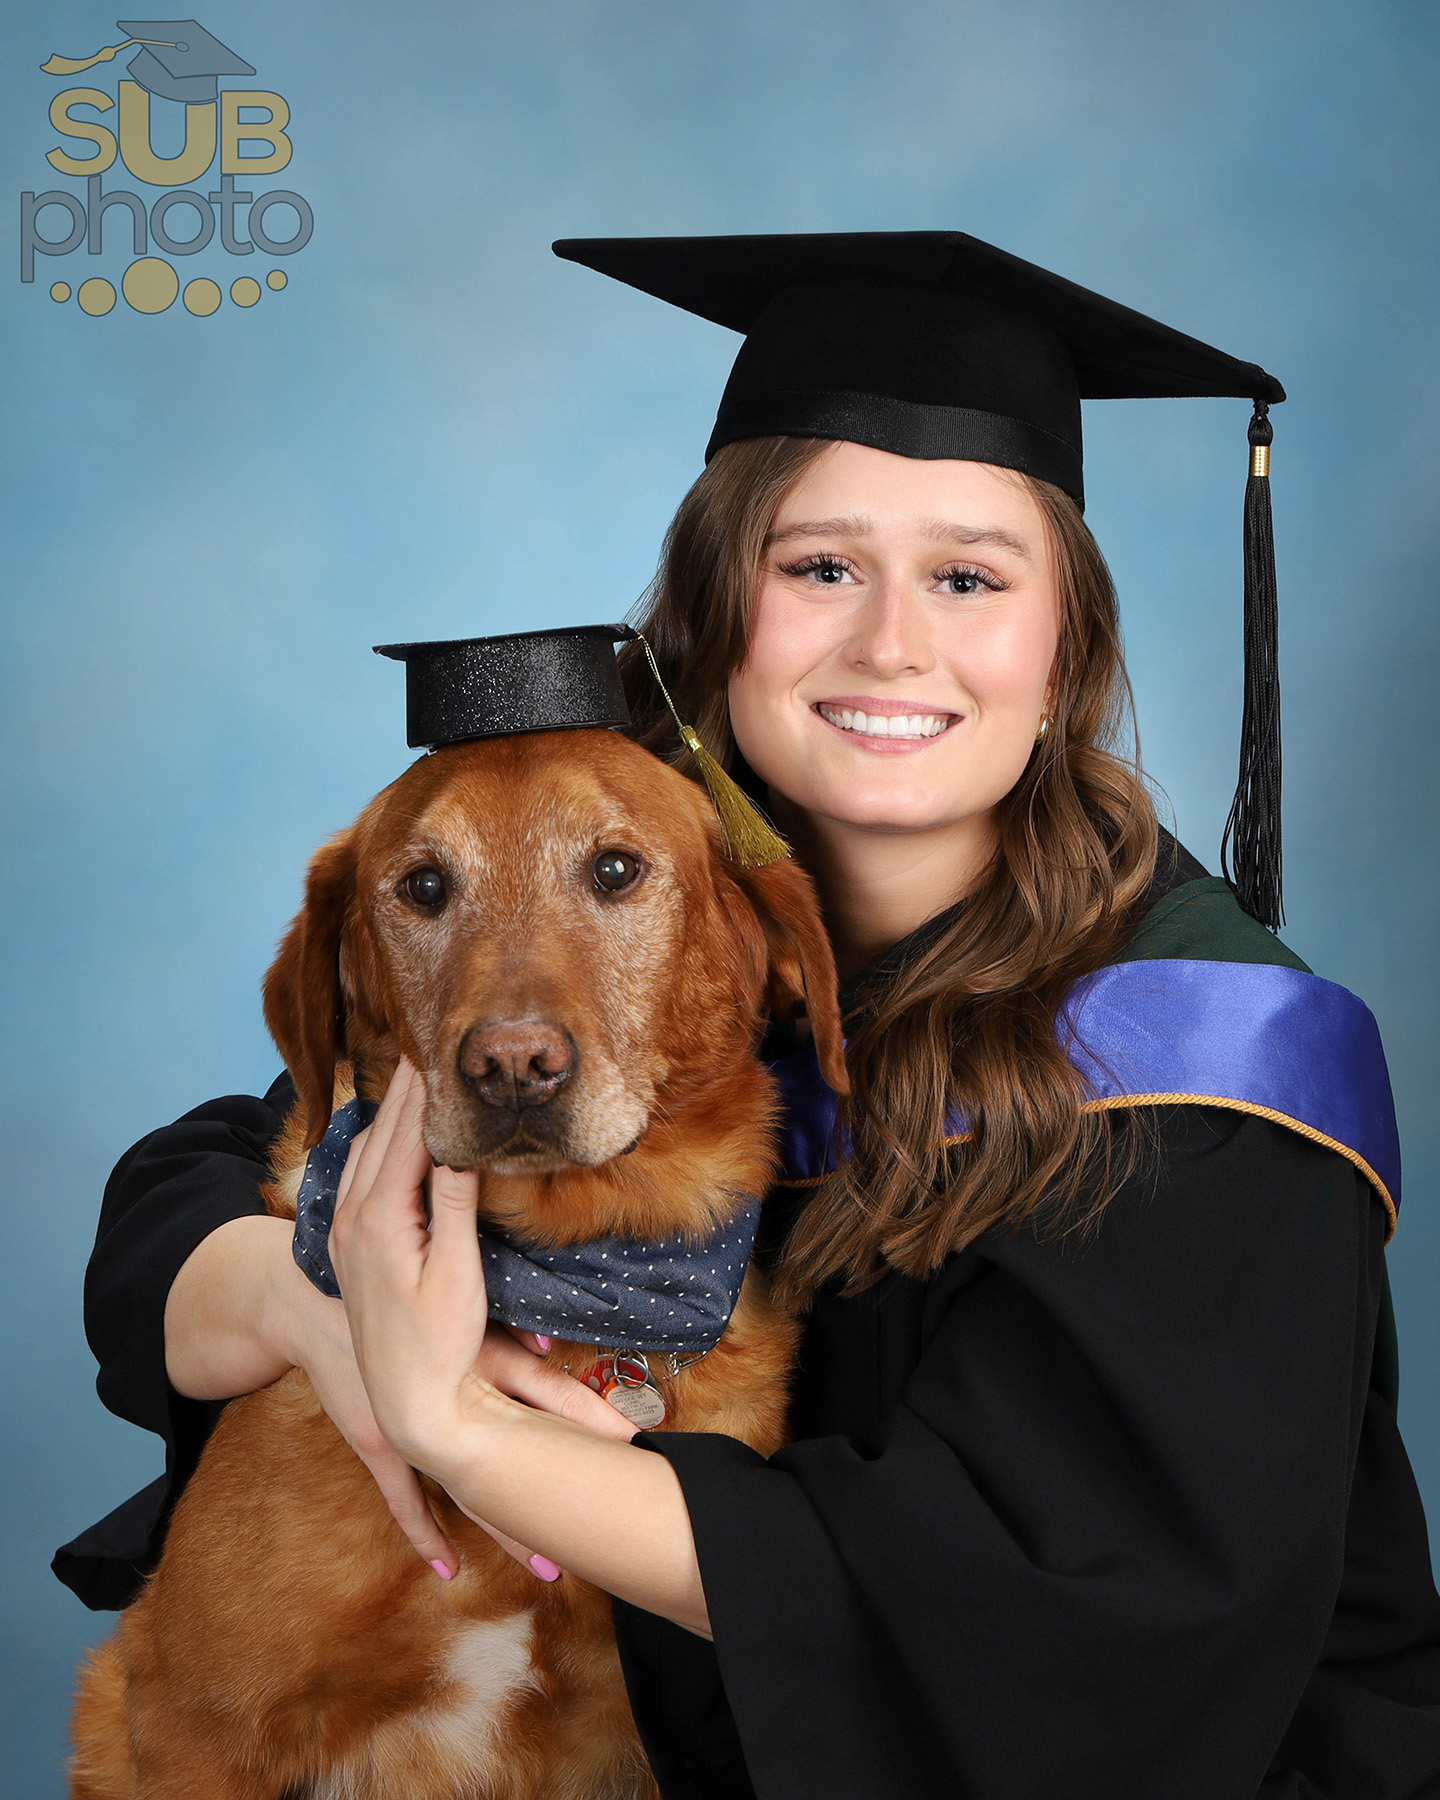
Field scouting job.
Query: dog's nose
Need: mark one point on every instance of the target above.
(516, 1062)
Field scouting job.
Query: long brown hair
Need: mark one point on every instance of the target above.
(967, 1026)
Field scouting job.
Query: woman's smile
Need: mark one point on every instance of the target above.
(886, 727)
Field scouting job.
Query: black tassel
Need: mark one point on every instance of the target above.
(1252, 832)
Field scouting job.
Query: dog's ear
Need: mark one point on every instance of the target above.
(304, 1001)
(802, 964)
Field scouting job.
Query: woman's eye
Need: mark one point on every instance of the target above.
(615, 870)
(967, 581)
(825, 571)
(425, 887)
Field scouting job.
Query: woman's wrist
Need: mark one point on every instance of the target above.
(577, 1497)
(451, 1435)
(295, 1315)
(231, 1310)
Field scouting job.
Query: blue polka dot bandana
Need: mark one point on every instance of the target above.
(617, 1292)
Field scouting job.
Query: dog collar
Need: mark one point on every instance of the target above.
(619, 1293)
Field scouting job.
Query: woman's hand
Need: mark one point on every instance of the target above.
(322, 1347)
(240, 1313)
(433, 1325)
(415, 1296)
(318, 1342)
(428, 1311)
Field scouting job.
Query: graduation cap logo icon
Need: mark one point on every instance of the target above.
(178, 59)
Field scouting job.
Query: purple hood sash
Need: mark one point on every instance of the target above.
(1255, 1037)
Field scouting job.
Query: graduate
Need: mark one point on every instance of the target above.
(1095, 1485)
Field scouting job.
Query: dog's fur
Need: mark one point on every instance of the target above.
(290, 1643)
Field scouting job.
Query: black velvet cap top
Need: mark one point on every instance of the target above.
(924, 343)
(462, 688)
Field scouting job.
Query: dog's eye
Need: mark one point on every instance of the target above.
(426, 887)
(614, 870)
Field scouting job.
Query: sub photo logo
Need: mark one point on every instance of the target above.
(185, 142)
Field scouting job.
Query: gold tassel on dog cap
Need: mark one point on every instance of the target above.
(752, 839)
(568, 679)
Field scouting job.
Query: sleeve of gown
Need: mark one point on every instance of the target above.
(166, 1194)
(1097, 1551)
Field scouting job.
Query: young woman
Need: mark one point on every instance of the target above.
(1095, 1485)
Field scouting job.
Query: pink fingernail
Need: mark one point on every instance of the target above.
(544, 1568)
(441, 1570)
(543, 1342)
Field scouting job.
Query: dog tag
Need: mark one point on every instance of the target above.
(596, 1376)
(642, 1405)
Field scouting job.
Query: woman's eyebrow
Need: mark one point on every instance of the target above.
(939, 530)
(945, 531)
(851, 527)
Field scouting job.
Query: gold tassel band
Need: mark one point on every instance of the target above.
(1259, 459)
(75, 65)
(751, 839)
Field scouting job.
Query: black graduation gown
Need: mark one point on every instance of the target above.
(1112, 1518)
(1125, 1515)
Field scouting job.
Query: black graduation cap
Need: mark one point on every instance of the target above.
(180, 60)
(460, 689)
(933, 344)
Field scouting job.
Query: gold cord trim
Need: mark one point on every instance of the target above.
(1118, 1101)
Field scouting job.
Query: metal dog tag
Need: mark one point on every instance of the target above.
(642, 1405)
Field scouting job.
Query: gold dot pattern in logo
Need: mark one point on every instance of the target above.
(150, 285)
(202, 297)
(96, 296)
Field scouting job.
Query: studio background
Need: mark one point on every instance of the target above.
(437, 429)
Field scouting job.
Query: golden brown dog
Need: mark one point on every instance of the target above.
(545, 926)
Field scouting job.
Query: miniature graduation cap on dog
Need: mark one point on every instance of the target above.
(932, 344)
(460, 689)
(178, 59)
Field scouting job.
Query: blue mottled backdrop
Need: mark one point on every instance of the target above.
(433, 428)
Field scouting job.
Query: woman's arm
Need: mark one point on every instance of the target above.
(166, 1197)
(236, 1311)
(240, 1314)
(193, 1295)
(609, 1512)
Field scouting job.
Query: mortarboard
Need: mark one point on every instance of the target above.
(568, 679)
(933, 344)
(178, 59)
(462, 688)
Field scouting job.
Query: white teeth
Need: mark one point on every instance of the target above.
(898, 725)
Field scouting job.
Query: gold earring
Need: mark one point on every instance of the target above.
(1044, 731)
